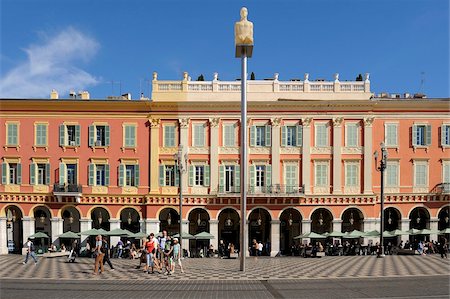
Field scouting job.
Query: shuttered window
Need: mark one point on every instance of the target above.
(199, 135)
(392, 174)
(351, 139)
(41, 135)
(169, 136)
(229, 135)
(391, 135)
(321, 134)
(130, 135)
(351, 174)
(12, 134)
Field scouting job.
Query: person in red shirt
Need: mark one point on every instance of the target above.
(150, 248)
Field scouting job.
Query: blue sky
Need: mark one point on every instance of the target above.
(86, 44)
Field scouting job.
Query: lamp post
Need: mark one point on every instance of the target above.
(243, 40)
(181, 165)
(381, 169)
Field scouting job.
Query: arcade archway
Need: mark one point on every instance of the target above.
(321, 221)
(290, 227)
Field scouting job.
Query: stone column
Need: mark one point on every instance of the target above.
(337, 161)
(434, 222)
(3, 236)
(85, 224)
(184, 141)
(404, 226)
(306, 154)
(113, 224)
(214, 154)
(184, 230)
(154, 155)
(151, 226)
(370, 225)
(57, 229)
(142, 226)
(368, 155)
(275, 150)
(337, 225)
(275, 237)
(214, 230)
(306, 226)
(28, 228)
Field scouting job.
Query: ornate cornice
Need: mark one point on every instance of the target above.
(214, 122)
(155, 122)
(368, 121)
(337, 121)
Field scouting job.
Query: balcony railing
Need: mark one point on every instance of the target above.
(67, 188)
(272, 190)
(443, 188)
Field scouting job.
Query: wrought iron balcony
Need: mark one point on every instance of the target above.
(276, 189)
(61, 190)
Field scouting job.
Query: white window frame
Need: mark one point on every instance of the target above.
(232, 174)
(17, 123)
(356, 125)
(327, 137)
(199, 176)
(125, 125)
(386, 181)
(294, 137)
(36, 125)
(165, 126)
(386, 125)
(264, 142)
(357, 173)
(224, 135)
(427, 173)
(445, 163)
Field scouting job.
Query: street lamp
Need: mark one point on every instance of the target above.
(381, 169)
(182, 166)
(243, 40)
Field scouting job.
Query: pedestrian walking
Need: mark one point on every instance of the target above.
(176, 253)
(162, 244)
(98, 251)
(119, 249)
(260, 248)
(150, 249)
(167, 255)
(30, 252)
(106, 253)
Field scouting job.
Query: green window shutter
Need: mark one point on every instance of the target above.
(62, 173)
(91, 174)
(299, 132)
(268, 135)
(4, 173)
(237, 177)
(136, 176)
(107, 138)
(191, 175)
(252, 176)
(176, 175)
(121, 175)
(91, 136)
(206, 179)
(443, 129)
(133, 135)
(19, 174)
(12, 134)
(268, 176)
(32, 174)
(283, 135)
(428, 135)
(221, 178)
(162, 175)
(252, 136)
(77, 135)
(62, 135)
(47, 174)
(107, 174)
(414, 135)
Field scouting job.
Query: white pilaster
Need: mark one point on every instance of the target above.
(152, 226)
(368, 155)
(337, 225)
(434, 222)
(214, 230)
(337, 163)
(404, 227)
(306, 226)
(275, 237)
(184, 141)
(85, 224)
(214, 154)
(57, 229)
(113, 224)
(306, 154)
(3, 236)
(275, 150)
(28, 228)
(370, 225)
(154, 155)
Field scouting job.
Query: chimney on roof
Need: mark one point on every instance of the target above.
(84, 95)
(54, 95)
(126, 96)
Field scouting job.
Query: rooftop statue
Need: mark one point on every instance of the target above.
(243, 30)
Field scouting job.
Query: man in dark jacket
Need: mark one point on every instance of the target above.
(106, 252)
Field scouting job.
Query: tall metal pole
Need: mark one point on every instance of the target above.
(180, 172)
(243, 160)
(382, 168)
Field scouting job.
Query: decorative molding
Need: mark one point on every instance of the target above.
(352, 150)
(12, 188)
(198, 150)
(352, 189)
(321, 150)
(214, 122)
(229, 150)
(368, 121)
(169, 190)
(321, 189)
(168, 150)
(260, 150)
(184, 122)
(276, 121)
(420, 189)
(337, 121)
(391, 190)
(199, 190)
(99, 190)
(40, 189)
(306, 122)
(291, 150)
(155, 122)
(129, 190)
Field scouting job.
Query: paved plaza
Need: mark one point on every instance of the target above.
(261, 268)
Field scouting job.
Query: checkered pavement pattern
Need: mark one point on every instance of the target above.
(261, 268)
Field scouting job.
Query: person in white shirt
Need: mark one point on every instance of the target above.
(30, 252)
(260, 248)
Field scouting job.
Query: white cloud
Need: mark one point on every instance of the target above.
(51, 64)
